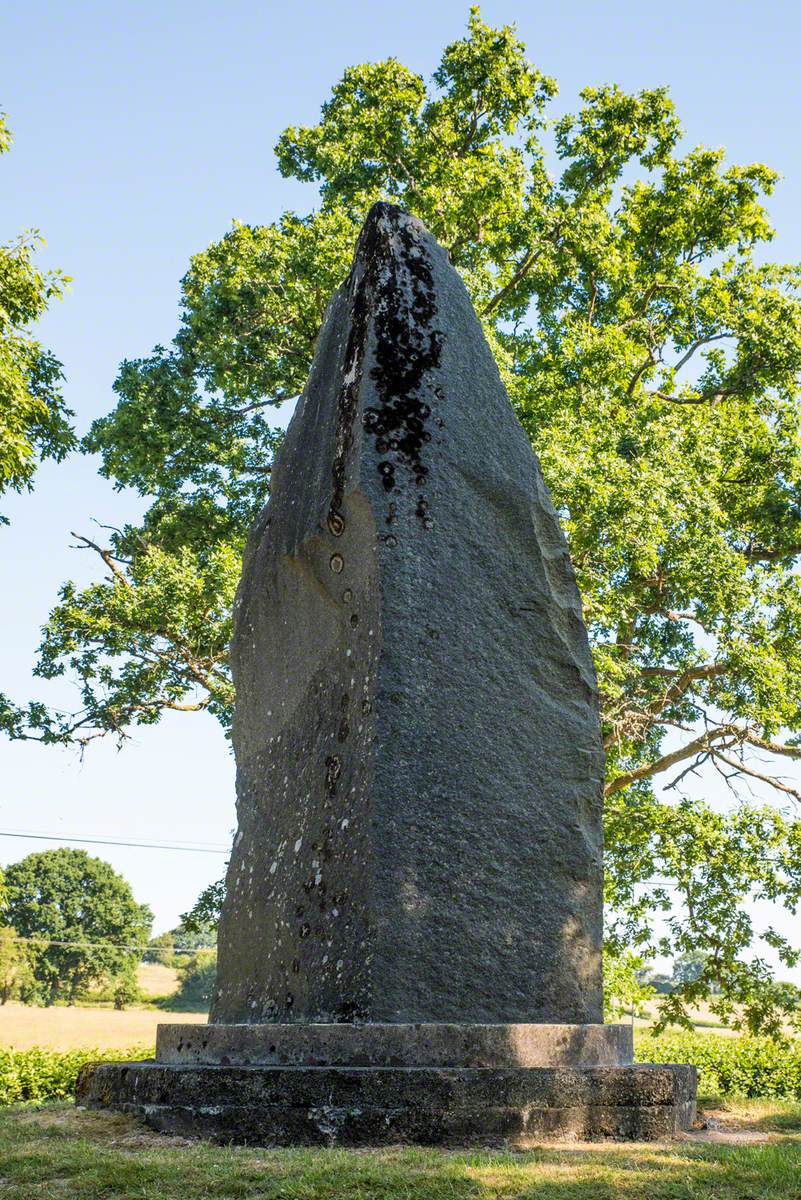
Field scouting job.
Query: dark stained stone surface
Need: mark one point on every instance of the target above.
(418, 751)
(379, 1106)
(375, 1045)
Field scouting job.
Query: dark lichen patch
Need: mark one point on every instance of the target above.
(399, 283)
(349, 1013)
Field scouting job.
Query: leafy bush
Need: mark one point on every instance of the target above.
(38, 1074)
(731, 1066)
(197, 980)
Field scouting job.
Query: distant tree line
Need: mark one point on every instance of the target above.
(71, 930)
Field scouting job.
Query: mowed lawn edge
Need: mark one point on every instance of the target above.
(56, 1151)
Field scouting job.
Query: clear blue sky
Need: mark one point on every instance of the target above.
(141, 131)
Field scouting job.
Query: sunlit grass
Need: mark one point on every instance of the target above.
(58, 1152)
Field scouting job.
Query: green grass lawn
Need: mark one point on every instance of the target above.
(56, 1151)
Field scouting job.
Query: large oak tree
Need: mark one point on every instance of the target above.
(651, 351)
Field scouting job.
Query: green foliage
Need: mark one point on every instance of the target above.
(689, 967)
(204, 915)
(34, 421)
(788, 996)
(626, 989)
(160, 949)
(169, 948)
(708, 864)
(39, 1074)
(196, 982)
(731, 1066)
(652, 355)
(126, 990)
(80, 921)
(15, 970)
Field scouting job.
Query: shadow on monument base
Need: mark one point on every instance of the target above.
(373, 1085)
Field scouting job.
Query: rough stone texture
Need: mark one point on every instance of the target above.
(419, 760)
(375, 1106)
(444, 1045)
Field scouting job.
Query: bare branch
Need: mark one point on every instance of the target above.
(717, 337)
(698, 746)
(106, 556)
(772, 780)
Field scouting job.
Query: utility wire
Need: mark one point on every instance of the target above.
(92, 841)
(42, 941)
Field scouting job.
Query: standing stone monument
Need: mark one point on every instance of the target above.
(410, 947)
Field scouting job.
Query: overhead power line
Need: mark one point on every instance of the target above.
(94, 841)
(43, 941)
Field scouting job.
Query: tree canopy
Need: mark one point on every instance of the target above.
(79, 920)
(651, 352)
(34, 420)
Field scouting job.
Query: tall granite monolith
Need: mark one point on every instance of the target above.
(410, 946)
(419, 760)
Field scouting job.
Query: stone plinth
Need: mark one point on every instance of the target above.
(444, 1045)
(374, 1106)
(372, 1085)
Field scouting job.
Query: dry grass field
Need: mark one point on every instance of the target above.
(156, 980)
(89, 1027)
(84, 1028)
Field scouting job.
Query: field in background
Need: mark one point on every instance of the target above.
(84, 1028)
(100, 1026)
(156, 980)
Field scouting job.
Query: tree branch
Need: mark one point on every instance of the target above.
(106, 556)
(757, 553)
(716, 337)
(522, 270)
(699, 745)
(742, 769)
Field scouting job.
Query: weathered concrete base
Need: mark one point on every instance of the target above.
(494, 1103)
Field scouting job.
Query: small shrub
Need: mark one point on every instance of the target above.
(39, 1074)
(196, 982)
(750, 1067)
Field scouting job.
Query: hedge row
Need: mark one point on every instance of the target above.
(750, 1067)
(734, 1066)
(40, 1074)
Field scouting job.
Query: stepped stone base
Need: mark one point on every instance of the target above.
(383, 1045)
(287, 1101)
